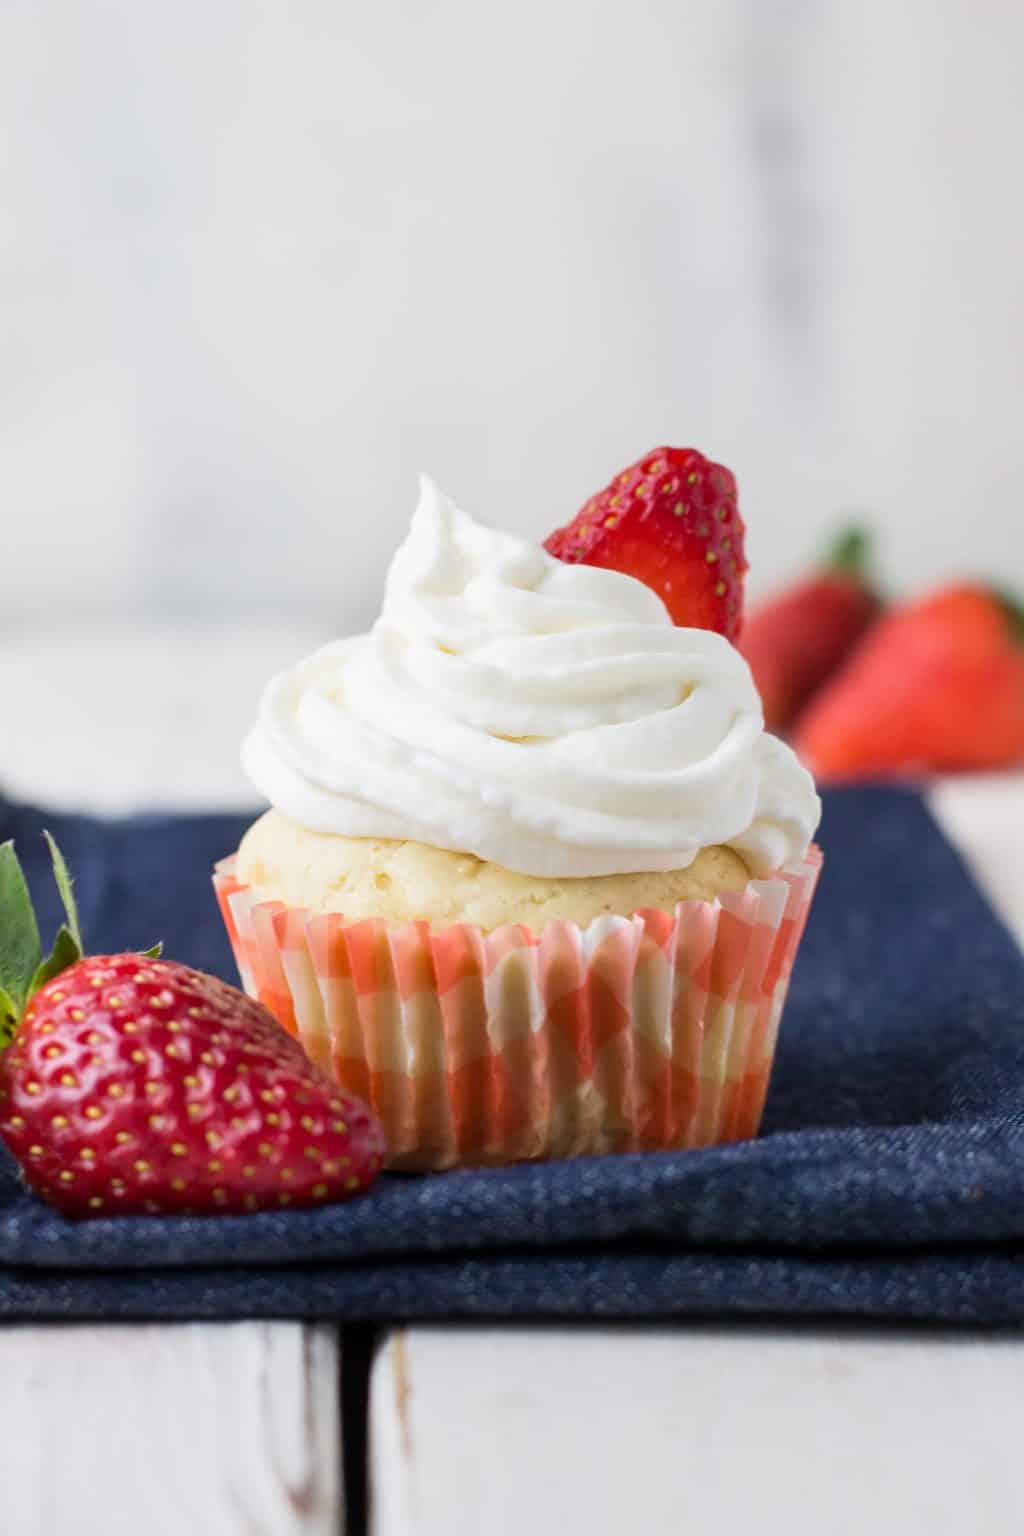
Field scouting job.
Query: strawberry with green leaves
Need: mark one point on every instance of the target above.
(130, 1083)
(797, 639)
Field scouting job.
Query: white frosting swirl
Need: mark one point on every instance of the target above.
(546, 717)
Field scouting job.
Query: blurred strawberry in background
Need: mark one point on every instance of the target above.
(796, 639)
(933, 685)
(937, 685)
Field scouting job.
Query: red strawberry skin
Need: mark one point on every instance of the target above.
(138, 1085)
(936, 685)
(672, 521)
(796, 640)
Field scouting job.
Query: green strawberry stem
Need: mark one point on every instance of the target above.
(62, 876)
(23, 970)
(1014, 610)
(20, 950)
(850, 555)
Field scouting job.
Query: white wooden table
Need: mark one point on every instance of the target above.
(141, 1430)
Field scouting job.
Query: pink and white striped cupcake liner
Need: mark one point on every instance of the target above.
(650, 1032)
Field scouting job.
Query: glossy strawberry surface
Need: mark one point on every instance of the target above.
(136, 1084)
(672, 521)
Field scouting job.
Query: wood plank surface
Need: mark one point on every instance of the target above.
(983, 815)
(551, 1431)
(170, 1430)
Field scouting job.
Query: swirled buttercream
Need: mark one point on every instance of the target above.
(546, 717)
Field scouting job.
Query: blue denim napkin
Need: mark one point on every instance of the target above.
(889, 1180)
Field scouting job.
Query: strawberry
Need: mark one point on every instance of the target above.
(794, 641)
(135, 1084)
(937, 684)
(670, 520)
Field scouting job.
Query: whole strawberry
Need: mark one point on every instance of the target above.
(135, 1084)
(671, 520)
(795, 640)
(936, 685)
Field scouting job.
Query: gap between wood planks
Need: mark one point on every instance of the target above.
(358, 1347)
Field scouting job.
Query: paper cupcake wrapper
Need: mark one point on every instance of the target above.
(650, 1032)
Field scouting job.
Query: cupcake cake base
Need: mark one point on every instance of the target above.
(655, 1031)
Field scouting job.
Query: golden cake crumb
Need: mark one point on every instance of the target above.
(374, 877)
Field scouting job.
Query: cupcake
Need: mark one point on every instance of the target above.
(534, 876)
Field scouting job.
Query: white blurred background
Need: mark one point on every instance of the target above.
(262, 262)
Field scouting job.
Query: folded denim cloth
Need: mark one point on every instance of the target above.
(888, 1182)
